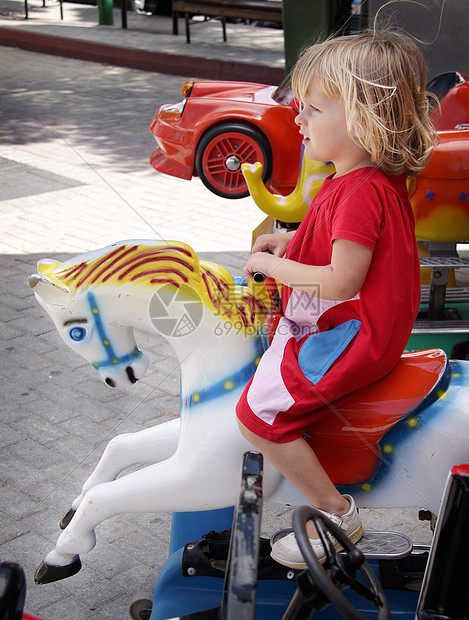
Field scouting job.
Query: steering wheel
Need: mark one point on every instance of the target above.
(338, 570)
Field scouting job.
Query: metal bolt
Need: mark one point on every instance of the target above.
(233, 163)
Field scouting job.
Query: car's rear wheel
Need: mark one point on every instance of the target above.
(222, 150)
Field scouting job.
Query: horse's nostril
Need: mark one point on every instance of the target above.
(108, 381)
(130, 373)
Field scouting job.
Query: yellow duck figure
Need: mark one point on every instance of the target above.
(291, 208)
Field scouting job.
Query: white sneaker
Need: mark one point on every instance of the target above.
(287, 552)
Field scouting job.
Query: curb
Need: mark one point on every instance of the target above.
(173, 64)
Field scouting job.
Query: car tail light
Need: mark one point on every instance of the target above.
(187, 89)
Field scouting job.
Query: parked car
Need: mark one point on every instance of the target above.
(220, 125)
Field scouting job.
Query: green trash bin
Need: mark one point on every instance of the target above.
(105, 12)
(309, 21)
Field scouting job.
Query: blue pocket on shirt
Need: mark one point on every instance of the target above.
(321, 350)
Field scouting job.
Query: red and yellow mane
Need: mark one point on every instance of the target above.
(142, 264)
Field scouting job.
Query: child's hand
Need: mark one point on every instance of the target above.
(260, 262)
(275, 244)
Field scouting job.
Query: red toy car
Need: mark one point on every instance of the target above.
(220, 125)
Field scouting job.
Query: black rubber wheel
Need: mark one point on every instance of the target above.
(222, 150)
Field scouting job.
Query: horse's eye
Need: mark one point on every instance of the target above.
(77, 333)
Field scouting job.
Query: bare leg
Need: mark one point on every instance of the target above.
(298, 463)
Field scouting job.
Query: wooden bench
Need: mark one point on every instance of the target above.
(259, 10)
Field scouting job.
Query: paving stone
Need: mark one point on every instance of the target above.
(9, 332)
(139, 580)
(74, 450)
(43, 430)
(9, 408)
(68, 480)
(32, 452)
(82, 427)
(15, 503)
(18, 180)
(94, 387)
(103, 413)
(151, 525)
(10, 435)
(44, 406)
(7, 313)
(69, 607)
(109, 559)
(39, 487)
(116, 608)
(39, 344)
(44, 522)
(11, 528)
(26, 359)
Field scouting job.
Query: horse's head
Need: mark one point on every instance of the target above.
(95, 300)
(88, 324)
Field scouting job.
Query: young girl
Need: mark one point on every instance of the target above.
(350, 273)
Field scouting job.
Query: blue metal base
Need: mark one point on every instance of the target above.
(176, 595)
(190, 526)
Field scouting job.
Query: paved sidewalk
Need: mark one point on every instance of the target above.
(75, 176)
(251, 53)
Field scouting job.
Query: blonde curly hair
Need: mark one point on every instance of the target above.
(381, 77)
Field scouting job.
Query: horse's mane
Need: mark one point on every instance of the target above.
(147, 264)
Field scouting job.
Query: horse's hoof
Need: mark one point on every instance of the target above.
(68, 516)
(47, 573)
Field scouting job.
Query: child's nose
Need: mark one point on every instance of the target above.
(301, 118)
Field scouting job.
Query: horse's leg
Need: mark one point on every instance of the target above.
(148, 446)
(180, 483)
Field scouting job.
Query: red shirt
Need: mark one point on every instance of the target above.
(370, 208)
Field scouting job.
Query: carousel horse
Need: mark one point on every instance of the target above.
(391, 444)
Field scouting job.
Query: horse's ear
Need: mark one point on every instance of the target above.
(46, 264)
(49, 291)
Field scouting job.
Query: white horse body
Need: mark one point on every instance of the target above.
(415, 471)
(194, 463)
